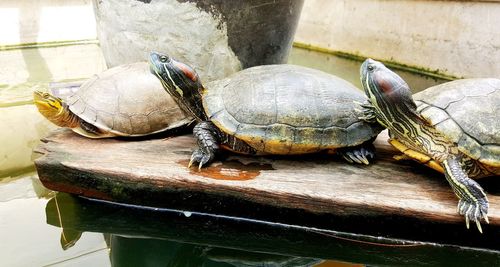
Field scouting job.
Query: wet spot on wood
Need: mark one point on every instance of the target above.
(183, 152)
(229, 170)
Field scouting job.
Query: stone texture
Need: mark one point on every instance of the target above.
(129, 30)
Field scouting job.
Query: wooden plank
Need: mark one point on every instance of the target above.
(314, 183)
(145, 172)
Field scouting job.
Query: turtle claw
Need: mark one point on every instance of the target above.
(366, 111)
(473, 212)
(348, 159)
(201, 157)
(194, 157)
(365, 105)
(352, 158)
(204, 160)
(361, 158)
(478, 224)
(361, 155)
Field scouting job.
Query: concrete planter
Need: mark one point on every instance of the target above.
(217, 37)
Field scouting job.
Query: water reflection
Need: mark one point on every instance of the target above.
(349, 69)
(129, 251)
(140, 251)
(140, 236)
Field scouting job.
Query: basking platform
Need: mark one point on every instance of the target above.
(395, 199)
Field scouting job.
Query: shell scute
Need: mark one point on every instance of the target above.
(471, 108)
(432, 114)
(106, 119)
(122, 123)
(279, 139)
(309, 139)
(294, 104)
(78, 107)
(140, 124)
(127, 100)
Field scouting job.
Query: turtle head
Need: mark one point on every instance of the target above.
(387, 91)
(180, 81)
(51, 107)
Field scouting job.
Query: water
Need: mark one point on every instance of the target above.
(349, 69)
(41, 228)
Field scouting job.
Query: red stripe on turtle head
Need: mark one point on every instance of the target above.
(384, 82)
(188, 71)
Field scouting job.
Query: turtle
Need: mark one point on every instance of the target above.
(127, 100)
(452, 127)
(271, 109)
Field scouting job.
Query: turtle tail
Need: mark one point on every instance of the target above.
(55, 110)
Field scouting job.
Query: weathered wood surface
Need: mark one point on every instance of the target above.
(139, 172)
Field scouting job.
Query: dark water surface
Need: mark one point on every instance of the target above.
(41, 228)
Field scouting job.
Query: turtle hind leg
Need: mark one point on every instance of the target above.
(361, 154)
(208, 138)
(473, 203)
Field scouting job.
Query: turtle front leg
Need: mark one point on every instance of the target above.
(367, 111)
(207, 136)
(473, 203)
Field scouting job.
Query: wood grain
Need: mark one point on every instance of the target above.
(122, 170)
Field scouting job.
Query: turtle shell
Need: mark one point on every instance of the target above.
(127, 100)
(467, 112)
(287, 109)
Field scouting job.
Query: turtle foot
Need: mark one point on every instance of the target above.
(366, 111)
(208, 143)
(359, 154)
(474, 211)
(201, 157)
(473, 203)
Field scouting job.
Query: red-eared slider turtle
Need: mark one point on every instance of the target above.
(122, 101)
(272, 109)
(452, 127)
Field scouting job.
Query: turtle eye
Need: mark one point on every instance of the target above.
(163, 59)
(370, 67)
